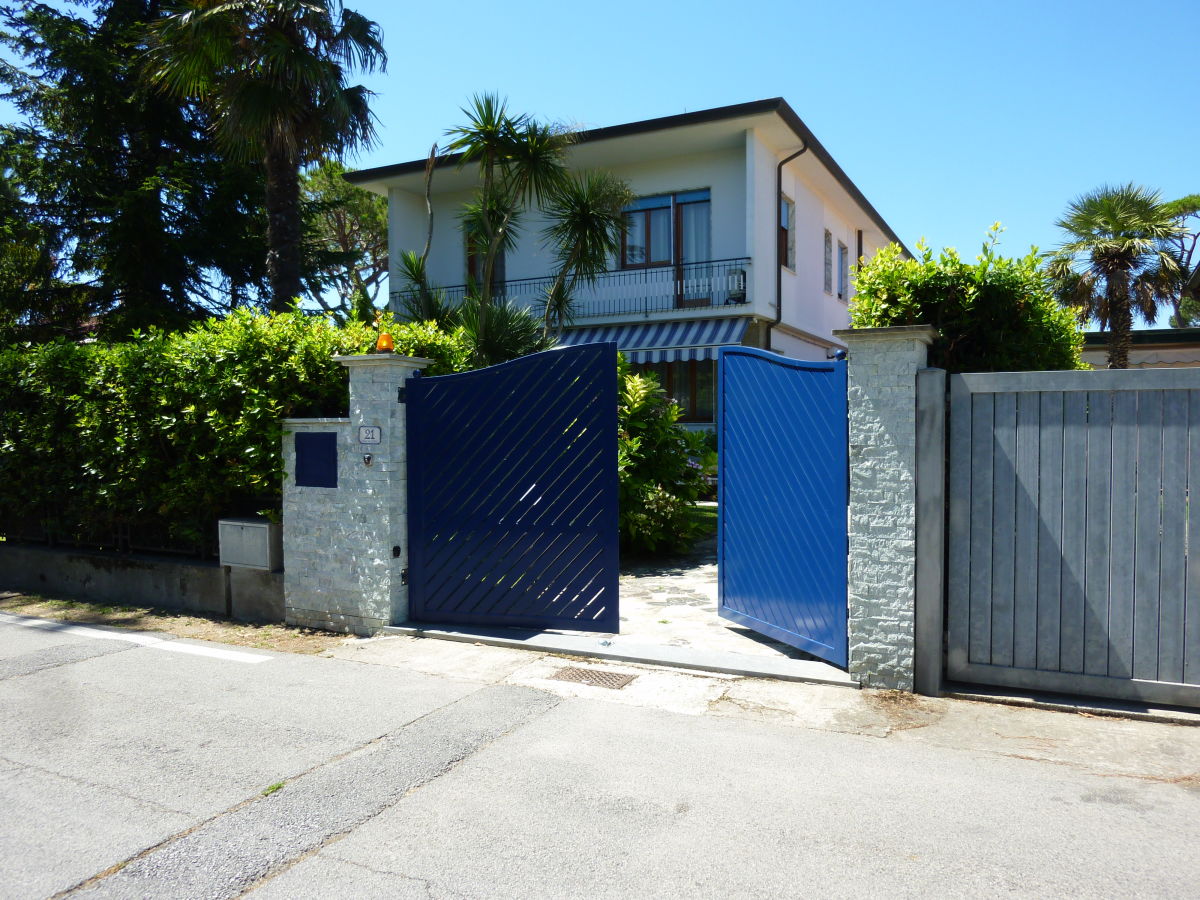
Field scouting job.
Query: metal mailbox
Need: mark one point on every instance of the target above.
(251, 544)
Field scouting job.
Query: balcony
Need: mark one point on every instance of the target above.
(714, 284)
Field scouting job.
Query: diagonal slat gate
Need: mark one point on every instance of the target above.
(512, 493)
(783, 485)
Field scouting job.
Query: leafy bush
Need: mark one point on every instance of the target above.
(150, 441)
(658, 480)
(161, 435)
(996, 315)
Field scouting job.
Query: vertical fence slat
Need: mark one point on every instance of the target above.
(1147, 534)
(1025, 503)
(958, 572)
(1173, 560)
(1049, 537)
(1191, 629)
(1099, 506)
(1122, 557)
(1074, 522)
(1004, 528)
(982, 422)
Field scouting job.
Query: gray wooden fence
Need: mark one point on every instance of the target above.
(1071, 558)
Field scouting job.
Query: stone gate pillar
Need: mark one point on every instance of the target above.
(882, 402)
(345, 542)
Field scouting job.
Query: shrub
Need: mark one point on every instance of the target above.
(164, 433)
(996, 315)
(658, 481)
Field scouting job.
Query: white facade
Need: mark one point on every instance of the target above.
(733, 154)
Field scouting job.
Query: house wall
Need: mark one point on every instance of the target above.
(806, 304)
(721, 173)
(745, 210)
(1146, 357)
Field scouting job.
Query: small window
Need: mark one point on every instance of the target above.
(691, 384)
(843, 271)
(787, 233)
(667, 229)
(828, 262)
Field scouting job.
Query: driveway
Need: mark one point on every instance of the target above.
(133, 766)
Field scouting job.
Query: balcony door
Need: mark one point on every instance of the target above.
(671, 235)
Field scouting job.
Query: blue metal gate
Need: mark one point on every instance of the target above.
(783, 494)
(512, 493)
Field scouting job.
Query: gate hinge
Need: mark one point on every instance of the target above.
(404, 575)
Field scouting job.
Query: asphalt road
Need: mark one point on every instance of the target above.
(162, 768)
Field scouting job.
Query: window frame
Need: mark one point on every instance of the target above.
(674, 202)
(787, 232)
(690, 413)
(828, 261)
(843, 272)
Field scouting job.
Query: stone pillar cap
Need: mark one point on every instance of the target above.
(383, 359)
(923, 333)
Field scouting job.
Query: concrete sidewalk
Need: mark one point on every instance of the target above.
(1086, 740)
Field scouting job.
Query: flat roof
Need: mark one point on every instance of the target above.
(776, 105)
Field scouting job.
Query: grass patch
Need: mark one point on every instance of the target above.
(270, 789)
(705, 520)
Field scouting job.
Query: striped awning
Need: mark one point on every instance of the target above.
(665, 341)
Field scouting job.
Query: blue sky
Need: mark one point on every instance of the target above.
(948, 115)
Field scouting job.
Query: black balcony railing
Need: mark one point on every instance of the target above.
(627, 292)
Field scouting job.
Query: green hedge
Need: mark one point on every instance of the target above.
(150, 441)
(997, 314)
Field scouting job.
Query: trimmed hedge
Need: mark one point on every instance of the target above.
(145, 444)
(148, 442)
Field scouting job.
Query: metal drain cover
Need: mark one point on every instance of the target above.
(594, 677)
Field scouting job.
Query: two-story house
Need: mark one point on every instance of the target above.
(743, 233)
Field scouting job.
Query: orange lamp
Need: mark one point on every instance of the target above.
(384, 344)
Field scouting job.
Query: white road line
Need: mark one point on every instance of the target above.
(144, 640)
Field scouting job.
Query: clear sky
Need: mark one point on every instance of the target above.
(948, 115)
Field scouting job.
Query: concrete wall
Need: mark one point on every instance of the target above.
(882, 400)
(166, 582)
(346, 548)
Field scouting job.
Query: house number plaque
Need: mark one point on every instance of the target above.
(370, 434)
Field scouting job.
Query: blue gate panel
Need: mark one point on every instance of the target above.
(316, 459)
(783, 495)
(512, 486)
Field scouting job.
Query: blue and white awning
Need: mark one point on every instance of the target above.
(665, 341)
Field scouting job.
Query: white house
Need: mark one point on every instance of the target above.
(744, 233)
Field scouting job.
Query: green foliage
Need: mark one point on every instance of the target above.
(995, 315)
(272, 77)
(1118, 259)
(119, 191)
(165, 433)
(345, 237)
(659, 483)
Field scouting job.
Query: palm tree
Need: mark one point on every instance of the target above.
(1115, 261)
(272, 74)
(520, 163)
(587, 220)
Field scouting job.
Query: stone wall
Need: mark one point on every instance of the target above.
(346, 548)
(883, 365)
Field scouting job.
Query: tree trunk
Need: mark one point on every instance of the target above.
(283, 228)
(1120, 323)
